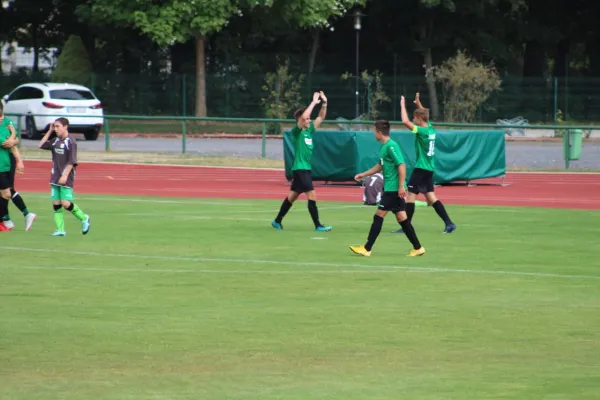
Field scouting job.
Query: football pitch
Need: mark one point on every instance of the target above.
(173, 298)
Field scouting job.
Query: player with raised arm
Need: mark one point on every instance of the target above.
(302, 138)
(421, 179)
(392, 164)
(62, 180)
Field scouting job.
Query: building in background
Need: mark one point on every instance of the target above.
(15, 58)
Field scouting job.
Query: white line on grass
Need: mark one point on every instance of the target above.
(155, 201)
(214, 271)
(305, 264)
(199, 201)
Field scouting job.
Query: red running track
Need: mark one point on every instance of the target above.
(553, 190)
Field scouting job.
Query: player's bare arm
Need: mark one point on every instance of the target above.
(401, 178)
(404, 114)
(372, 171)
(417, 101)
(20, 167)
(46, 136)
(316, 100)
(321, 117)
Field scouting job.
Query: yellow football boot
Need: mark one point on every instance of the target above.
(416, 253)
(360, 250)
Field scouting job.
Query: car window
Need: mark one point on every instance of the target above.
(26, 93)
(18, 94)
(71, 94)
(34, 93)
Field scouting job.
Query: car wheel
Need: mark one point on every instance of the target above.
(32, 132)
(91, 134)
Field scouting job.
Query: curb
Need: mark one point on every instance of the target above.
(251, 136)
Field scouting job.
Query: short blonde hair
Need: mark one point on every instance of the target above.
(422, 113)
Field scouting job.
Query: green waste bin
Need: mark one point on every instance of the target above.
(572, 140)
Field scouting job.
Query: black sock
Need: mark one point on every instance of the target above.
(441, 211)
(70, 208)
(410, 210)
(285, 207)
(3, 209)
(374, 232)
(314, 212)
(410, 233)
(18, 201)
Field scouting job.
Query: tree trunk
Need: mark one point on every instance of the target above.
(36, 50)
(428, 58)
(200, 77)
(313, 51)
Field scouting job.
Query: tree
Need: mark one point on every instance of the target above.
(33, 25)
(282, 94)
(315, 16)
(466, 83)
(73, 64)
(172, 21)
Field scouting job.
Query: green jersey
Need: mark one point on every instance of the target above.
(425, 145)
(5, 153)
(303, 147)
(390, 157)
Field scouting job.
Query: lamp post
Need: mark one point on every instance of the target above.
(357, 17)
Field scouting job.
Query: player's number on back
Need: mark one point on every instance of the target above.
(431, 150)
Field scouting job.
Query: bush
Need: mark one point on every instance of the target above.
(282, 91)
(466, 85)
(375, 95)
(73, 65)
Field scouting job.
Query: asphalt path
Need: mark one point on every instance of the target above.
(518, 154)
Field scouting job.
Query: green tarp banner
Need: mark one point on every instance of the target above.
(459, 155)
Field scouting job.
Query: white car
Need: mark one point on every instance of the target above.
(39, 104)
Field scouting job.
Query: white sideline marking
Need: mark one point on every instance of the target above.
(165, 165)
(216, 271)
(199, 201)
(305, 264)
(283, 169)
(153, 201)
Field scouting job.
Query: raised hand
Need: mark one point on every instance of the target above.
(316, 97)
(323, 97)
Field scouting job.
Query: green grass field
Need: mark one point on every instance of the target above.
(202, 299)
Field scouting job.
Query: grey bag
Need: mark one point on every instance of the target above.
(373, 186)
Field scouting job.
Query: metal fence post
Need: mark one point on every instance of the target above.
(106, 135)
(264, 140)
(184, 95)
(555, 99)
(183, 136)
(19, 131)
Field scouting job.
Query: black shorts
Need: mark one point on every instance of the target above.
(13, 170)
(421, 181)
(302, 181)
(5, 180)
(391, 201)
